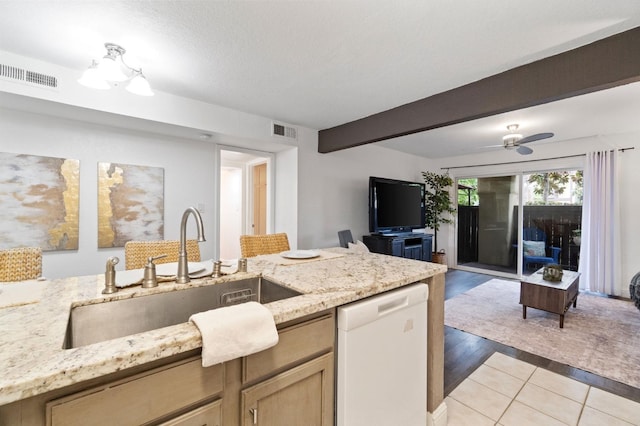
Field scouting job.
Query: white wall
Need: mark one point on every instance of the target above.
(316, 194)
(90, 125)
(231, 212)
(286, 197)
(334, 189)
(188, 167)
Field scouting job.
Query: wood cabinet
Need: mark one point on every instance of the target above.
(207, 415)
(139, 399)
(294, 381)
(290, 383)
(300, 396)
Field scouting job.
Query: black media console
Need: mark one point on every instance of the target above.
(410, 245)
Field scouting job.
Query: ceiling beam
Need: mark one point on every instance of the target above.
(603, 64)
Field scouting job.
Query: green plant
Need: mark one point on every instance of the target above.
(438, 204)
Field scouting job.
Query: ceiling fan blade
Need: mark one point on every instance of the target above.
(524, 150)
(535, 137)
(494, 146)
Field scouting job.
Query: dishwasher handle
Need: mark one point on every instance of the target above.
(390, 307)
(376, 307)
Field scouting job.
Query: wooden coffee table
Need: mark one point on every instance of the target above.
(550, 296)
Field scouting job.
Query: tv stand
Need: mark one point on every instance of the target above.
(409, 245)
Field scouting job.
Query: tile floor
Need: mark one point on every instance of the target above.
(508, 392)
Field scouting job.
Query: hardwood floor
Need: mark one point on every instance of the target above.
(464, 352)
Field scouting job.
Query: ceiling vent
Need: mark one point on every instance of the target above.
(16, 74)
(278, 129)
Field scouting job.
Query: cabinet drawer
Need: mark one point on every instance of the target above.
(296, 344)
(141, 398)
(207, 415)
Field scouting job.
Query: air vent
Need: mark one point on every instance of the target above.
(26, 76)
(284, 131)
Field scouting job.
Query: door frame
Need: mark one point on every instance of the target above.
(261, 157)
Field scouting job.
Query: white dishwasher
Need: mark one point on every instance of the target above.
(382, 359)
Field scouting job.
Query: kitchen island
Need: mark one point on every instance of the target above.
(34, 363)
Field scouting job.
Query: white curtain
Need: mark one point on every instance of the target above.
(600, 242)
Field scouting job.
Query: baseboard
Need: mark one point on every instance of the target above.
(438, 417)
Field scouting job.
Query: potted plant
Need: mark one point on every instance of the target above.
(576, 236)
(438, 207)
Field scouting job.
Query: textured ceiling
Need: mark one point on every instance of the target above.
(313, 63)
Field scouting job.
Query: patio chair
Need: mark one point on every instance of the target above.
(535, 250)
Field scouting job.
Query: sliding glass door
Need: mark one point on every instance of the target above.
(486, 222)
(552, 216)
(539, 211)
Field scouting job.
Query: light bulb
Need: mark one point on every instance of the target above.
(139, 85)
(92, 78)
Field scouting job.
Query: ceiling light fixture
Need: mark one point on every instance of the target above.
(513, 137)
(112, 68)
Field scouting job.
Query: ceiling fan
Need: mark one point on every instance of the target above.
(516, 141)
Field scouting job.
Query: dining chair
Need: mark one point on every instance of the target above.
(19, 264)
(254, 245)
(136, 253)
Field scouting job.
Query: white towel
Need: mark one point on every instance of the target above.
(234, 331)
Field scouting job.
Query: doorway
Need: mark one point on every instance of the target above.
(245, 197)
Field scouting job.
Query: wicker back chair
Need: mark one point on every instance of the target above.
(136, 253)
(254, 245)
(20, 264)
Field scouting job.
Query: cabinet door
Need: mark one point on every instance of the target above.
(300, 396)
(413, 252)
(208, 415)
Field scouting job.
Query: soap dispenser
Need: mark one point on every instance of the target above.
(150, 279)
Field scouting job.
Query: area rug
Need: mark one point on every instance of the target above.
(601, 335)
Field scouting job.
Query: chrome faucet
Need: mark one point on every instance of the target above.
(182, 277)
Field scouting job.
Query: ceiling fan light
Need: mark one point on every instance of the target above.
(110, 70)
(92, 78)
(512, 136)
(140, 86)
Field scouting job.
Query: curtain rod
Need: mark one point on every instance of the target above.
(527, 161)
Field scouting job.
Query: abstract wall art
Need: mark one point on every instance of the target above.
(39, 201)
(130, 204)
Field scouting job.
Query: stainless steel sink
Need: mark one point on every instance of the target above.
(104, 321)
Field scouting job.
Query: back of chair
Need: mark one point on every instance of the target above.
(345, 237)
(136, 253)
(533, 234)
(254, 245)
(20, 264)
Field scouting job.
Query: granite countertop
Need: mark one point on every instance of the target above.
(32, 360)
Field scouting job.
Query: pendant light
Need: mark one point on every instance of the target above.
(113, 69)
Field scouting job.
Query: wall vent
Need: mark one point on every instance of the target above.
(278, 129)
(9, 72)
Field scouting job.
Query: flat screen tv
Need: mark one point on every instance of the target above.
(395, 206)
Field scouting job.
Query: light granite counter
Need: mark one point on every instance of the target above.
(33, 361)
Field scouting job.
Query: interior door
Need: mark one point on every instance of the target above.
(259, 201)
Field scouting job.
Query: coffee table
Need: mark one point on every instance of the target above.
(550, 296)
